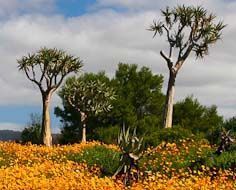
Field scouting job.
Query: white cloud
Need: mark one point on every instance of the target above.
(104, 38)
(11, 126)
(11, 8)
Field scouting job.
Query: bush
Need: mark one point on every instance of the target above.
(174, 134)
(226, 160)
(230, 124)
(107, 135)
(106, 159)
(32, 132)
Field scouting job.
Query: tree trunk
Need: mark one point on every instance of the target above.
(84, 133)
(83, 121)
(169, 103)
(46, 128)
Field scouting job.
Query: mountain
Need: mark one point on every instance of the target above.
(9, 135)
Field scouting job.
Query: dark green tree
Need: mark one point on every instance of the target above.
(138, 94)
(199, 119)
(47, 69)
(33, 130)
(230, 124)
(188, 30)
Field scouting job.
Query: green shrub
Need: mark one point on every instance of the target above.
(32, 132)
(226, 160)
(174, 134)
(106, 159)
(107, 135)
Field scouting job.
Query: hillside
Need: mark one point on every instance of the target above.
(7, 135)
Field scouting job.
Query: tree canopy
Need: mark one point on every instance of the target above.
(47, 68)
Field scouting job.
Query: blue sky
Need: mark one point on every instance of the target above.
(104, 33)
(74, 8)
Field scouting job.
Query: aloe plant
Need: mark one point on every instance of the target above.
(130, 146)
(226, 141)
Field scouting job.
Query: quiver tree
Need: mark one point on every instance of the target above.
(47, 68)
(187, 29)
(88, 97)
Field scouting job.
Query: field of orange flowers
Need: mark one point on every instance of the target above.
(29, 167)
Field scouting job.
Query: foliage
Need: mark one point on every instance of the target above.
(199, 119)
(107, 134)
(100, 156)
(91, 96)
(138, 94)
(48, 64)
(226, 160)
(188, 29)
(230, 124)
(88, 98)
(174, 135)
(32, 132)
(130, 154)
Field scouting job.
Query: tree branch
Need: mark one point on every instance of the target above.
(31, 79)
(168, 60)
(180, 61)
(167, 32)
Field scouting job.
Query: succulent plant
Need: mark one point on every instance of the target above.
(130, 146)
(226, 141)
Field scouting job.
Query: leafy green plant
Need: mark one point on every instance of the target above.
(227, 160)
(175, 134)
(89, 98)
(107, 135)
(106, 159)
(131, 152)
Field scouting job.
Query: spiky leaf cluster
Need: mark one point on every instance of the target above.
(48, 67)
(130, 146)
(188, 28)
(226, 141)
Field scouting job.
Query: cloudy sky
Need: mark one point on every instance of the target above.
(104, 33)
